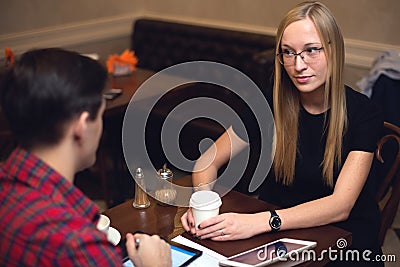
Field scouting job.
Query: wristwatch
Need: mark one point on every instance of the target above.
(275, 222)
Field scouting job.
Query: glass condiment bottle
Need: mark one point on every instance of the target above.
(165, 194)
(141, 200)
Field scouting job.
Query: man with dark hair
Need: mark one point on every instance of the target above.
(53, 102)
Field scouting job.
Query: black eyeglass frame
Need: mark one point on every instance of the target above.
(280, 55)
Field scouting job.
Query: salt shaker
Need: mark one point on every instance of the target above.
(166, 194)
(141, 200)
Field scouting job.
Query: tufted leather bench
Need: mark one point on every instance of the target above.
(159, 44)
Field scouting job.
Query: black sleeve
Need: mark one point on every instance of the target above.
(252, 132)
(365, 122)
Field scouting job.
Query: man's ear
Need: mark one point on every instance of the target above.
(80, 126)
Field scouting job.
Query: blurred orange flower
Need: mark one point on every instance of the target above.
(9, 57)
(122, 64)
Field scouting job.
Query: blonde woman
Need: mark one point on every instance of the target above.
(324, 143)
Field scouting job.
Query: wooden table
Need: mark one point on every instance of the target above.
(129, 85)
(165, 221)
(110, 156)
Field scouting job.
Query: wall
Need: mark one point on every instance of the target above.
(369, 26)
(84, 25)
(22, 15)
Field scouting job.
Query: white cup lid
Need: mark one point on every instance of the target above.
(205, 200)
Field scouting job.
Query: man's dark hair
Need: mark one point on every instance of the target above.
(45, 89)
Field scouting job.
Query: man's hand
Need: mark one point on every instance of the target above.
(145, 250)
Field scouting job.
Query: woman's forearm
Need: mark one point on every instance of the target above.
(206, 168)
(204, 178)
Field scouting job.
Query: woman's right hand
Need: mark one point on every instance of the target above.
(188, 223)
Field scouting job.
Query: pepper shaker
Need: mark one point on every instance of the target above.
(141, 200)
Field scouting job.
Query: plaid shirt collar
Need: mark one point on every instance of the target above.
(25, 167)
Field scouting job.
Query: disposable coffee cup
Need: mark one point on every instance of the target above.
(103, 224)
(204, 204)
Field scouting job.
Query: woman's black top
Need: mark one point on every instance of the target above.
(365, 123)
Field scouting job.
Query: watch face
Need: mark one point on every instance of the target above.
(275, 222)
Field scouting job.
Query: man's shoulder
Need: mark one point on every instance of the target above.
(2, 173)
(24, 206)
(33, 225)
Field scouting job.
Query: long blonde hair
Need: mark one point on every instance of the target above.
(287, 101)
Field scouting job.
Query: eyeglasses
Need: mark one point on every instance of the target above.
(309, 56)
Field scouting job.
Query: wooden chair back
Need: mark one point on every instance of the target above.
(388, 194)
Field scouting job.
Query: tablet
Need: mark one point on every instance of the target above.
(280, 250)
(181, 255)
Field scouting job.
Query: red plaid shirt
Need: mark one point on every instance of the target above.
(45, 220)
